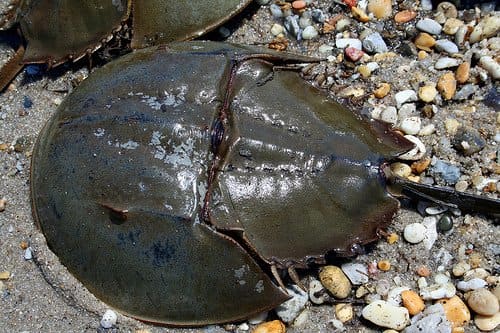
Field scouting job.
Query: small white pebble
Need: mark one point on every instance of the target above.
(411, 125)
(416, 153)
(309, 32)
(28, 254)
(441, 278)
(108, 319)
(471, 284)
(414, 233)
(405, 96)
(384, 314)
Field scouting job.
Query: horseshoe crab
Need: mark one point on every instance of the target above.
(58, 31)
(175, 179)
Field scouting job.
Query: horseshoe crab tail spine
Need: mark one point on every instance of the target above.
(9, 71)
(448, 197)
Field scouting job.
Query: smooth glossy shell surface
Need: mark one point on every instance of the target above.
(57, 30)
(170, 176)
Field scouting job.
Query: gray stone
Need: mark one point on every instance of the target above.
(430, 26)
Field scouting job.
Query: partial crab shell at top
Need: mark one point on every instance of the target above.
(163, 21)
(56, 31)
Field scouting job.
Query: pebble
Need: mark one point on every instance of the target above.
(447, 8)
(382, 90)
(276, 11)
(381, 9)
(275, 326)
(405, 96)
(412, 301)
(417, 152)
(344, 312)
(299, 4)
(359, 14)
(452, 25)
(414, 233)
(424, 41)
(461, 186)
(479, 273)
(389, 115)
(472, 284)
(405, 16)
(4, 275)
(456, 311)
(402, 170)
(420, 166)
(448, 172)
(431, 235)
(438, 291)
(491, 66)
(411, 125)
(432, 319)
(291, 24)
(353, 53)
(482, 301)
(318, 15)
(28, 254)
(384, 314)
(335, 281)
(407, 110)
(356, 273)
(384, 265)
(109, 319)
(290, 309)
(447, 85)
(445, 223)
(487, 323)
(3, 203)
(277, 29)
(427, 93)
(342, 43)
(430, 26)
(446, 62)
(486, 28)
(451, 125)
(309, 32)
(317, 293)
(423, 271)
(465, 92)
(468, 141)
(445, 45)
(374, 43)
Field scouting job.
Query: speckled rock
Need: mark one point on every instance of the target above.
(344, 312)
(468, 141)
(373, 43)
(290, 309)
(456, 311)
(335, 281)
(384, 314)
(108, 319)
(482, 301)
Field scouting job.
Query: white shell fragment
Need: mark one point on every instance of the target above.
(384, 314)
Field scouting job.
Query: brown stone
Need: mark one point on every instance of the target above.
(274, 326)
(463, 72)
(412, 301)
(405, 16)
(447, 85)
(456, 311)
(424, 41)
